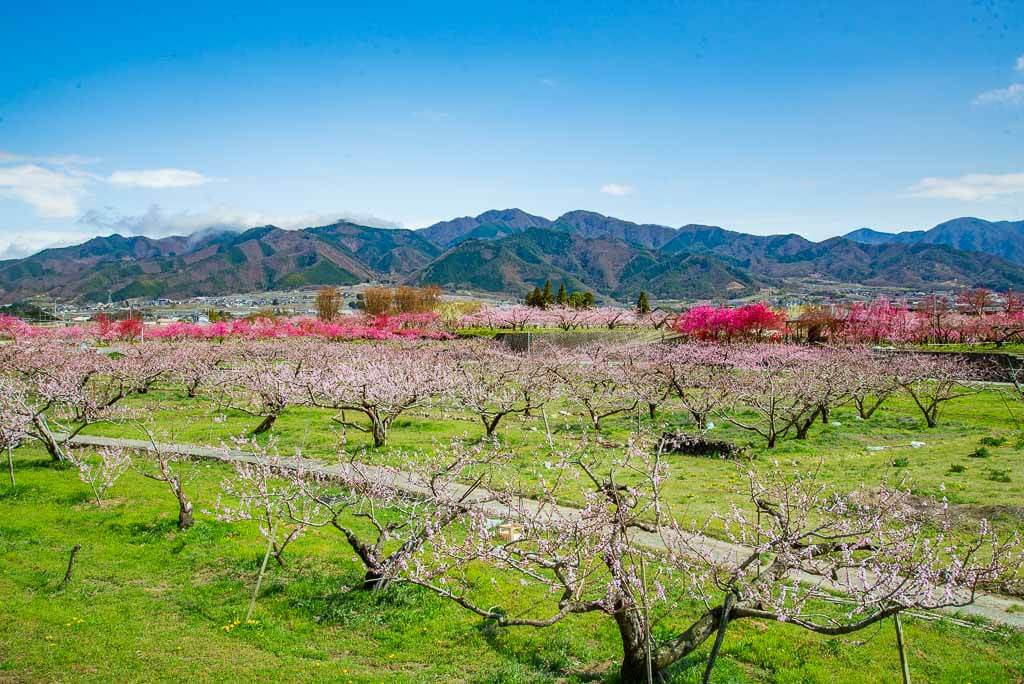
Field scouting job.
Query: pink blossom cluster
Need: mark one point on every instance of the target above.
(934, 322)
(562, 317)
(393, 327)
(875, 322)
(401, 326)
(12, 327)
(751, 321)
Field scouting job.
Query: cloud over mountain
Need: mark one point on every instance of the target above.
(970, 187)
(158, 222)
(158, 178)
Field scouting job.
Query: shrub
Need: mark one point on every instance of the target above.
(698, 445)
(998, 475)
(980, 452)
(957, 468)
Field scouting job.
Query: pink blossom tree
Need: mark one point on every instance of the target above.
(494, 383)
(641, 376)
(931, 380)
(59, 394)
(591, 378)
(624, 556)
(194, 365)
(872, 380)
(386, 514)
(15, 419)
(100, 469)
(262, 380)
(778, 384)
(701, 376)
(380, 382)
(263, 490)
(161, 462)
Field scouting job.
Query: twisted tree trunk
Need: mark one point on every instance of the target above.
(185, 516)
(634, 645)
(267, 423)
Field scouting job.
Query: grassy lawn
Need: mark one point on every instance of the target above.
(1007, 348)
(978, 483)
(149, 603)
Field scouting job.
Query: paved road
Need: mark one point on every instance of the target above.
(997, 609)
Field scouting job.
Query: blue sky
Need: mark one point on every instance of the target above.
(764, 117)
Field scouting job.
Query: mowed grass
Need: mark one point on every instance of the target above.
(149, 603)
(974, 458)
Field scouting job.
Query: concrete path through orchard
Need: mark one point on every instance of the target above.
(996, 609)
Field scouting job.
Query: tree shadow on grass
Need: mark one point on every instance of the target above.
(21, 492)
(75, 498)
(548, 652)
(336, 598)
(42, 464)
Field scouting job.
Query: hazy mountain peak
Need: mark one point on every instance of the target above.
(592, 224)
(870, 236)
(513, 217)
(967, 233)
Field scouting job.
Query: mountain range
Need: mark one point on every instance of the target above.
(1002, 238)
(510, 251)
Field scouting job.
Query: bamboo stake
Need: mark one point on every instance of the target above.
(259, 579)
(904, 666)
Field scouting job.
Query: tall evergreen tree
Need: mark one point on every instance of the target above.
(643, 307)
(561, 297)
(548, 297)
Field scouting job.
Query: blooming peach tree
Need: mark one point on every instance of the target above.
(799, 554)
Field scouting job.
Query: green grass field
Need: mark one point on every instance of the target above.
(150, 603)
(990, 486)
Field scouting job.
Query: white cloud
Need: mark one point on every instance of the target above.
(55, 185)
(15, 249)
(52, 193)
(549, 82)
(616, 189)
(49, 160)
(1012, 94)
(157, 222)
(158, 178)
(971, 187)
(26, 243)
